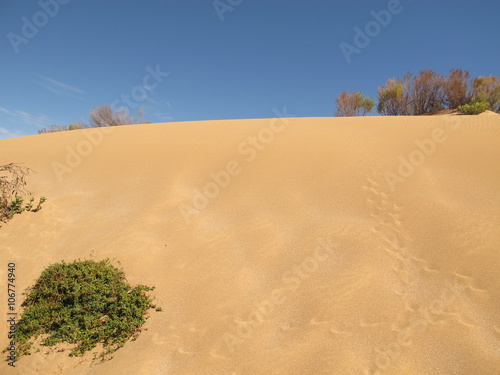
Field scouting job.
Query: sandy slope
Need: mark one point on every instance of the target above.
(317, 256)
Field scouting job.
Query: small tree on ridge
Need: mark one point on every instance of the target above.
(354, 104)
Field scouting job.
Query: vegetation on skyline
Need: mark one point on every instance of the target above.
(427, 92)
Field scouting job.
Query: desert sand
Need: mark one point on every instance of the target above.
(292, 246)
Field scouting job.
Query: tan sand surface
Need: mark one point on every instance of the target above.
(347, 246)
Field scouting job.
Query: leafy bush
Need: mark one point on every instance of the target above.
(393, 98)
(74, 126)
(487, 89)
(429, 92)
(18, 206)
(84, 303)
(12, 187)
(474, 108)
(413, 95)
(354, 104)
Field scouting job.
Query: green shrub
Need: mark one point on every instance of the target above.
(354, 104)
(393, 98)
(487, 89)
(84, 303)
(474, 108)
(74, 127)
(18, 206)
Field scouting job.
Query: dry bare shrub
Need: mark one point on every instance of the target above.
(425, 92)
(104, 115)
(458, 88)
(412, 96)
(12, 189)
(52, 129)
(12, 184)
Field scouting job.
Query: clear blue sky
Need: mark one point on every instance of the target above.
(264, 54)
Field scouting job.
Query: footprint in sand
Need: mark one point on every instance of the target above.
(184, 352)
(469, 281)
(216, 355)
(363, 324)
(346, 284)
(337, 332)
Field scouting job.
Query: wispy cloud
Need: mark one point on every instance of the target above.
(60, 88)
(163, 117)
(151, 100)
(25, 118)
(5, 133)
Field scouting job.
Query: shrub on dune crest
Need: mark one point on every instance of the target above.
(354, 104)
(52, 129)
(487, 89)
(393, 98)
(77, 126)
(458, 88)
(100, 116)
(430, 92)
(474, 108)
(413, 95)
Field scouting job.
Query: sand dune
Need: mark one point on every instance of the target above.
(347, 246)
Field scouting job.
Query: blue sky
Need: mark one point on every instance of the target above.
(242, 61)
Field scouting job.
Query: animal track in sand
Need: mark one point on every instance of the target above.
(363, 324)
(469, 281)
(180, 338)
(258, 224)
(342, 287)
(214, 240)
(336, 332)
(41, 363)
(467, 324)
(474, 233)
(468, 123)
(389, 229)
(159, 340)
(185, 352)
(216, 355)
(286, 328)
(417, 318)
(315, 322)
